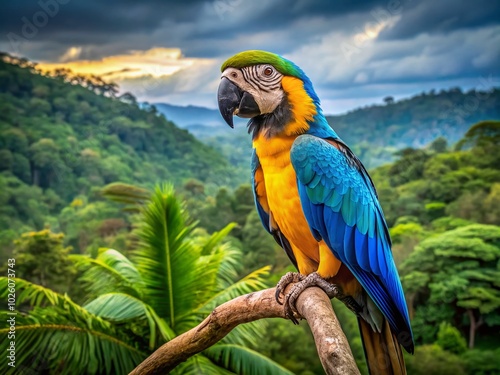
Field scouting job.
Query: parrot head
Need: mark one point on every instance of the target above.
(261, 86)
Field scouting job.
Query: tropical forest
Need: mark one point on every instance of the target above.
(125, 230)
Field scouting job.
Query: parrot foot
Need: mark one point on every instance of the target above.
(287, 279)
(302, 283)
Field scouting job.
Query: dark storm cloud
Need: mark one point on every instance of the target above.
(210, 28)
(92, 16)
(443, 16)
(118, 16)
(48, 26)
(421, 42)
(201, 28)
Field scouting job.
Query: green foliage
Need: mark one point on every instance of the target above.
(429, 185)
(72, 155)
(42, 258)
(130, 195)
(167, 287)
(484, 133)
(448, 223)
(409, 167)
(462, 266)
(398, 232)
(89, 226)
(491, 205)
(291, 346)
(115, 272)
(450, 339)
(435, 210)
(415, 122)
(482, 362)
(241, 360)
(433, 360)
(59, 336)
(439, 145)
(224, 208)
(67, 136)
(404, 238)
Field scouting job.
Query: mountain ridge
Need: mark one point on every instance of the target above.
(374, 132)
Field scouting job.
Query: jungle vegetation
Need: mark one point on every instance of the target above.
(127, 231)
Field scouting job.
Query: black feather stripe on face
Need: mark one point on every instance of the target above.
(252, 75)
(273, 123)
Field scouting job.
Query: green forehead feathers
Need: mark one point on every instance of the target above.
(248, 58)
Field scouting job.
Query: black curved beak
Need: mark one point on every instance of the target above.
(234, 101)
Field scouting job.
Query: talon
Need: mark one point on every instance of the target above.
(289, 313)
(277, 295)
(301, 283)
(292, 299)
(287, 279)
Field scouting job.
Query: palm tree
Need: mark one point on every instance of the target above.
(174, 278)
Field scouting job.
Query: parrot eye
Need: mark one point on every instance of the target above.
(268, 71)
(234, 75)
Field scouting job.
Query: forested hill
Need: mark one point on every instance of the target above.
(373, 132)
(376, 131)
(64, 136)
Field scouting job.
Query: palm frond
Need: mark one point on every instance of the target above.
(244, 361)
(200, 365)
(130, 195)
(245, 334)
(56, 339)
(216, 238)
(250, 283)
(70, 337)
(169, 261)
(230, 257)
(39, 296)
(111, 271)
(119, 307)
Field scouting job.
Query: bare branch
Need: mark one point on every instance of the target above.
(313, 304)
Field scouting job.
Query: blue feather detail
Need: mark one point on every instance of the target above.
(341, 207)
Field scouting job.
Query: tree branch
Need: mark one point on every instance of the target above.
(313, 304)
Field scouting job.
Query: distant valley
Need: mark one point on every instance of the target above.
(374, 133)
(200, 121)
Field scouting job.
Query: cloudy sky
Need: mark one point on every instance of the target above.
(355, 51)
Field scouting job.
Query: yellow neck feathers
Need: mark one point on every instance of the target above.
(303, 110)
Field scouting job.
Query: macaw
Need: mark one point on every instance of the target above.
(318, 201)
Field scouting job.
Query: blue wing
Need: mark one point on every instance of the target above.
(341, 207)
(260, 198)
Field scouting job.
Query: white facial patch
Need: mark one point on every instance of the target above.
(266, 91)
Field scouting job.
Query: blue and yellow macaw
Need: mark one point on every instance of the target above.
(318, 201)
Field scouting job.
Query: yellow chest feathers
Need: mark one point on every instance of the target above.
(281, 190)
(278, 173)
(283, 202)
(274, 156)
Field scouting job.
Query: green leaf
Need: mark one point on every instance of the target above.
(216, 238)
(121, 307)
(64, 336)
(111, 271)
(241, 360)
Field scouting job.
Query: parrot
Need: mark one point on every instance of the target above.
(317, 200)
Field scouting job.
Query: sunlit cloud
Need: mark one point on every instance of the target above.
(72, 53)
(155, 62)
(372, 30)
